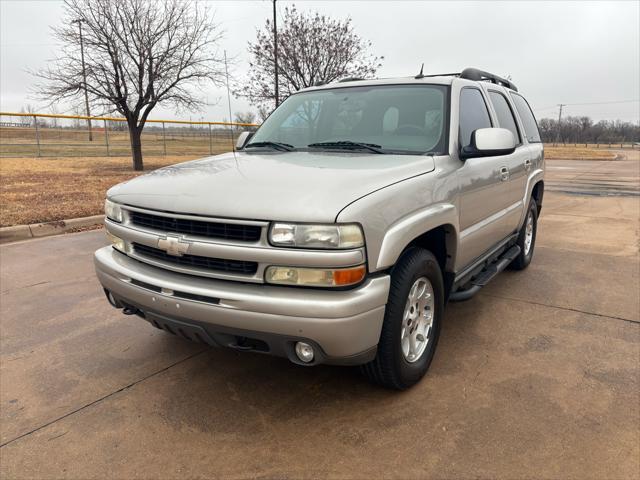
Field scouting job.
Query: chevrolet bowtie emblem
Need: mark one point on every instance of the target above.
(173, 246)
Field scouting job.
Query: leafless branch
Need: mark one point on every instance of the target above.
(312, 48)
(138, 54)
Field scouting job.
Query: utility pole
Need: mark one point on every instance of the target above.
(559, 120)
(275, 52)
(84, 78)
(226, 71)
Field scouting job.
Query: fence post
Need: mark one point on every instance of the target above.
(210, 142)
(106, 138)
(35, 123)
(164, 140)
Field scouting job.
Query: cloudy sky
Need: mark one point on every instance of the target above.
(585, 54)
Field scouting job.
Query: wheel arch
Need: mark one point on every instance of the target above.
(434, 228)
(440, 241)
(537, 193)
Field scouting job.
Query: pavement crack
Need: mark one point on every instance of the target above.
(569, 309)
(94, 402)
(58, 436)
(25, 286)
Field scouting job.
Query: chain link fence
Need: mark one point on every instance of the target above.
(51, 135)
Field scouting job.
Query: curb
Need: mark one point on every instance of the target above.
(46, 229)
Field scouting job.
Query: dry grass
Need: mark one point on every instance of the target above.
(44, 189)
(571, 152)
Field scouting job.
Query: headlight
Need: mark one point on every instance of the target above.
(112, 211)
(315, 277)
(117, 242)
(316, 236)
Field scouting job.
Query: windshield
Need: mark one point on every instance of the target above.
(395, 118)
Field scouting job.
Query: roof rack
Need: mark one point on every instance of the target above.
(475, 74)
(350, 79)
(479, 75)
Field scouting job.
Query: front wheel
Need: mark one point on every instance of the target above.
(527, 238)
(412, 322)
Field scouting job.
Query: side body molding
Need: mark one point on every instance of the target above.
(401, 233)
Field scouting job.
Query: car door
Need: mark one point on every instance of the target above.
(483, 184)
(518, 163)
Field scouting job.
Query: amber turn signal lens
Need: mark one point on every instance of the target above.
(315, 277)
(348, 276)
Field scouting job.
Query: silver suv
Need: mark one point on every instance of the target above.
(338, 231)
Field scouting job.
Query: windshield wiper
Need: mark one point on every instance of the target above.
(348, 144)
(276, 145)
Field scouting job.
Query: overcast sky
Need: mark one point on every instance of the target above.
(556, 52)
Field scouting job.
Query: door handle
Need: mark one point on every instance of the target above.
(504, 174)
(527, 164)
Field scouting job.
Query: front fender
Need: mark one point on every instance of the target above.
(394, 216)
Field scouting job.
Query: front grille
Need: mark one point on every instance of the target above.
(217, 264)
(227, 231)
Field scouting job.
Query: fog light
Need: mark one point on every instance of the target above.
(304, 351)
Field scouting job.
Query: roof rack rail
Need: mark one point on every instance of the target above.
(480, 75)
(350, 79)
(457, 74)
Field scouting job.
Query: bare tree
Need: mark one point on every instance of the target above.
(584, 130)
(138, 54)
(245, 117)
(31, 110)
(53, 110)
(263, 112)
(312, 49)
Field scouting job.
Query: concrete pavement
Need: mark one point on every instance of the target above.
(536, 376)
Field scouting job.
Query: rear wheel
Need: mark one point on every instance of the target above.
(412, 322)
(527, 238)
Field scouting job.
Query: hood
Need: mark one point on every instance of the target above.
(289, 186)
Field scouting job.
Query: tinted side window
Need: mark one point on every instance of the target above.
(504, 113)
(473, 114)
(528, 120)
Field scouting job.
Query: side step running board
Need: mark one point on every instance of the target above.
(486, 275)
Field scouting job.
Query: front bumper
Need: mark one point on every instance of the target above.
(343, 325)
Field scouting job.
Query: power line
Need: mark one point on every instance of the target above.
(602, 103)
(540, 110)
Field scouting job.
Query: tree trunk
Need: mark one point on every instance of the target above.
(136, 147)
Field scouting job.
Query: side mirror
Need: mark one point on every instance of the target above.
(489, 142)
(243, 139)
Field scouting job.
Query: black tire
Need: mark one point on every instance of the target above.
(390, 368)
(523, 260)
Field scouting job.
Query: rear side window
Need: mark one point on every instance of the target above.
(504, 113)
(528, 120)
(473, 114)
